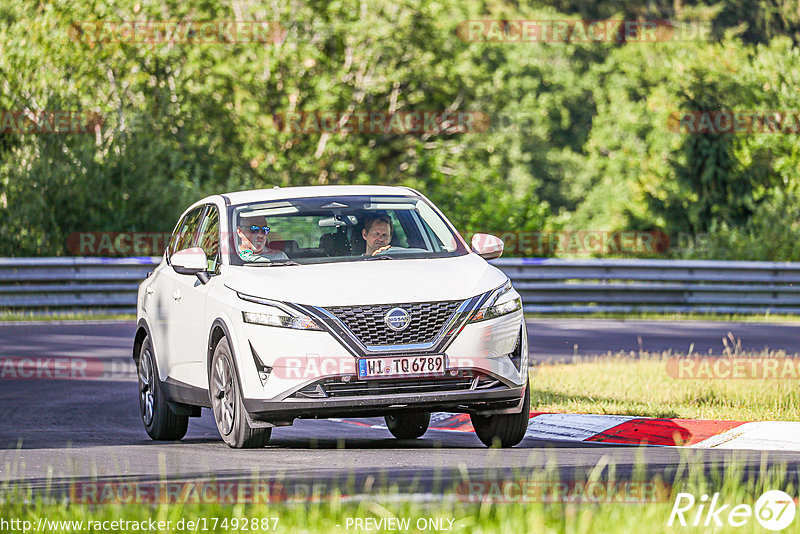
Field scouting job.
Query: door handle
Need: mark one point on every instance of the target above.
(177, 294)
(150, 290)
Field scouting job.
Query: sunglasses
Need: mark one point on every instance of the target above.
(258, 229)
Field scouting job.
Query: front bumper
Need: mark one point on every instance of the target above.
(497, 400)
(296, 363)
(297, 359)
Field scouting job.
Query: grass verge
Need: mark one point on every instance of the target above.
(641, 385)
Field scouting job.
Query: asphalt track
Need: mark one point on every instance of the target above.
(53, 432)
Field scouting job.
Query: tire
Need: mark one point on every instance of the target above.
(227, 405)
(159, 421)
(408, 425)
(506, 430)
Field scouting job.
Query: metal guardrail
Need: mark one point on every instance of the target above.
(625, 285)
(546, 285)
(83, 285)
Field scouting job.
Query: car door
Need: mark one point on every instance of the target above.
(189, 306)
(177, 292)
(158, 293)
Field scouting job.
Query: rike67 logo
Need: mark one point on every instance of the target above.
(774, 510)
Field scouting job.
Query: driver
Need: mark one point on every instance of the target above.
(252, 233)
(377, 233)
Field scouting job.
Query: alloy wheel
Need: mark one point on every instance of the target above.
(223, 396)
(146, 398)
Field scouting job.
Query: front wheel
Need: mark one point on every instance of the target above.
(227, 405)
(159, 421)
(408, 425)
(507, 429)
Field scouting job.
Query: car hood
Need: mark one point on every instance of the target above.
(369, 282)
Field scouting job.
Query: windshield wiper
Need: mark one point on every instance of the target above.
(271, 263)
(381, 257)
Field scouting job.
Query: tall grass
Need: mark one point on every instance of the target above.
(333, 512)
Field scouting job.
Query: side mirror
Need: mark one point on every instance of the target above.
(189, 261)
(487, 246)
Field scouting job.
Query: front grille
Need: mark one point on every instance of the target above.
(368, 325)
(337, 388)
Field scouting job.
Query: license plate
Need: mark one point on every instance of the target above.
(402, 366)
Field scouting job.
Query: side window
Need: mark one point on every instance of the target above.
(186, 230)
(399, 237)
(411, 229)
(209, 237)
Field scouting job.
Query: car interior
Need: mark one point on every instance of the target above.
(344, 239)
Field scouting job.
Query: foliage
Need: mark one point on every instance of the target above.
(578, 137)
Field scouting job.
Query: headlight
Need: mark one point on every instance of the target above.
(276, 315)
(484, 314)
(492, 309)
(268, 319)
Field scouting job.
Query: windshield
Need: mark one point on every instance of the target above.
(336, 229)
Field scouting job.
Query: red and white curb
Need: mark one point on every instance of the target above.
(764, 435)
(632, 430)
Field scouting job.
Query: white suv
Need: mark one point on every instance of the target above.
(271, 305)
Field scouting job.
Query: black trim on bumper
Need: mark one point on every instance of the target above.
(472, 401)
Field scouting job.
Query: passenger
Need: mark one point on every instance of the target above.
(377, 233)
(252, 233)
